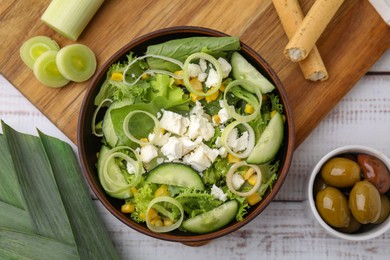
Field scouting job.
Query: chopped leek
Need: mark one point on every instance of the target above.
(70, 17)
(76, 62)
(34, 47)
(46, 70)
(186, 76)
(233, 169)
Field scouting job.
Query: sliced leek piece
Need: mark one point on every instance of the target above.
(69, 18)
(46, 70)
(34, 47)
(76, 62)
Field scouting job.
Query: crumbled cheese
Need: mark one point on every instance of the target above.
(211, 154)
(237, 181)
(193, 70)
(173, 149)
(238, 143)
(218, 193)
(226, 67)
(187, 144)
(202, 65)
(160, 160)
(223, 113)
(212, 78)
(174, 123)
(198, 159)
(202, 76)
(148, 153)
(199, 124)
(159, 139)
(130, 168)
(222, 152)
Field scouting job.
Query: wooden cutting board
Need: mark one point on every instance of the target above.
(354, 40)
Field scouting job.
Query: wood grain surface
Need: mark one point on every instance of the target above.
(350, 45)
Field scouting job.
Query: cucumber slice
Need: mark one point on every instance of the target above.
(242, 69)
(34, 47)
(176, 174)
(76, 62)
(46, 70)
(269, 142)
(213, 219)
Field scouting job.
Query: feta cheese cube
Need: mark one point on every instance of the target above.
(173, 149)
(237, 181)
(148, 153)
(218, 193)
(197, 159)
(238, 143)
(212, 78)
(226, 67)
(174, 123)
(223, 113)
(187, 144)
(200, 126)
(193, 70)
(130, 168)
(202, 65)
(211, 154)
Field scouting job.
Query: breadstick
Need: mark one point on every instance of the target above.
(311, 28)
(291, 17)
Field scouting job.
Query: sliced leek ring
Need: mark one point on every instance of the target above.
(232, 170)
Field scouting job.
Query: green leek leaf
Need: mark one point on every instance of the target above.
(90, 234)
(19, 245)
(38, 187)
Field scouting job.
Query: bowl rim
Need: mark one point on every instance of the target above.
(290, 144)
(370, 234)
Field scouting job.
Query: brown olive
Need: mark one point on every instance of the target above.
(332, 206)
(385, 209)
(375, 171)
(341, 172)
(354, 226)
(365, 202)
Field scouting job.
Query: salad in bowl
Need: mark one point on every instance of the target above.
(191, 136)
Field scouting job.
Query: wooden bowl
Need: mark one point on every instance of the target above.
(89, 145)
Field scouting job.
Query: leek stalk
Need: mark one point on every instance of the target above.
(70, 17)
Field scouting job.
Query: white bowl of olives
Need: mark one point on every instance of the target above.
(349, 192)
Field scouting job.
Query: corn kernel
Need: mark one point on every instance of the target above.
(216, 119)
(248, 173)
(152, 214)
(162, 191)
(196, 84)
(158, 223)
(127, 208)
(253, 198)
(273, 112)
(232, 159)
(155, 219)
(249, 109)
(167, 221)
(144, 141)
(162, 130)
(145, 76)
(143, 216)
(133, 190)
(195, 97)
(179, 81)
(222, 88)
(252, 180)
(117, 76)
(212, 97)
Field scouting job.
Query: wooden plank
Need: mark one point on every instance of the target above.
(281, 231)
(353, 41)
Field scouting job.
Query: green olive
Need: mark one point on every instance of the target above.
(385, 209)
(341, 172)
(332, 206)
(353, 226)
(318, 185)
(365, 202)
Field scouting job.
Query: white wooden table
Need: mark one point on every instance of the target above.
(283, 230)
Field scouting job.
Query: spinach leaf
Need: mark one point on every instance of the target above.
(180, 49)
